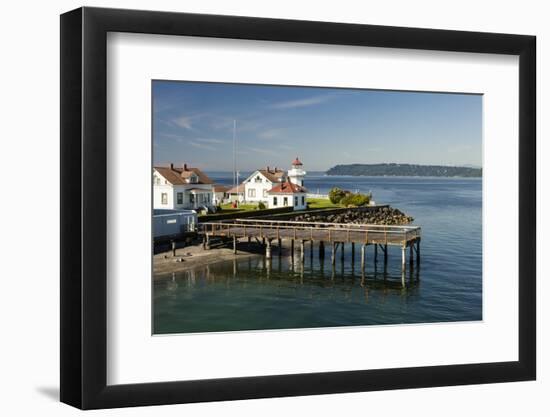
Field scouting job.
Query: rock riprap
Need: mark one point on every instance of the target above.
(383, 215)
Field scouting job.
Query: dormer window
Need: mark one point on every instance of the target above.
(193, 179)
(258, 179)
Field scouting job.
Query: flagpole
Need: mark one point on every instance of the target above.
(234, 154)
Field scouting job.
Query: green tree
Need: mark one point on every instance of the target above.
(336, 194)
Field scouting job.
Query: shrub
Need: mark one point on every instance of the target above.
(261, 206)
(336, 194)
(357, 200)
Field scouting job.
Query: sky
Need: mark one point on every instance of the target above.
(193, 124)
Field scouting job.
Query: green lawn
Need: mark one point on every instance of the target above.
(227, 208)
(316, 203)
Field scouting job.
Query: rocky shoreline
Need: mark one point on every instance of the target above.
(382, 215)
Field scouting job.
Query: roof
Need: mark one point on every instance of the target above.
(236, 190)
(297, 162)
(220, 188)
(198, 190)
(273, 175)
(287, 187)
(177, 176)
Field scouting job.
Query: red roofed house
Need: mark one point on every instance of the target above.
(287, 194)
(181, 188)
(290, 192)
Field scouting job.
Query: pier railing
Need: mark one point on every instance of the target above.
(318, 231)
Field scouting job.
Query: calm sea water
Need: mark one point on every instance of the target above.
(253, 293)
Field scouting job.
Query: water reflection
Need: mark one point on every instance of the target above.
(290, 270)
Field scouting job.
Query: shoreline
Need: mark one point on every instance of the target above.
(192, 256)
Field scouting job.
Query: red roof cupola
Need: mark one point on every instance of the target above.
(296, 162)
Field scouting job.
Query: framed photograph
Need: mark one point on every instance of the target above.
(258, 208)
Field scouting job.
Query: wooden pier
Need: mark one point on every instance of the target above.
(336, 235)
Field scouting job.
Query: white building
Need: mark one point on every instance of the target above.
(220, 194)
(287, 194)
(260, 182)
(181, 188)
(236, 194)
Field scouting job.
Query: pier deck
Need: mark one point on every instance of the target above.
(333, 233)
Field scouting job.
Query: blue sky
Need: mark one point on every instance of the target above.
(193, 123)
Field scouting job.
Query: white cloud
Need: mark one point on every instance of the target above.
(204, 146)
(271, 133)
(184, 121)
(303, 102)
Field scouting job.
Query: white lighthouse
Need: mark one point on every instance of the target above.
(296, 174)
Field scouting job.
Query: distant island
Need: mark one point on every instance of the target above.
(405, 170)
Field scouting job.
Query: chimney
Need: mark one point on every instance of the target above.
(267, 168)
(172, 167)
(185, 167)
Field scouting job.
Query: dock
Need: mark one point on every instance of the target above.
(334, 235)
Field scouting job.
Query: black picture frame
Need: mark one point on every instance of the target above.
(84, 207)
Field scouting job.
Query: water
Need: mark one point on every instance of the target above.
(253, 293)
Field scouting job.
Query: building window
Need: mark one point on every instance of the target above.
(157, 181)
(295, 201)
(180, 198)
(251, 192)
(303, 201)
(274, 201)
(285, 201)
(192, 198)
(258, 179)
(164, 198)
(265, 193)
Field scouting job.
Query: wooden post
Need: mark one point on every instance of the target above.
(268, 249)
(263, 241)
(173, 244)
(342, 252)
(411, 253)
(311, 249)
(352, 253)
(248, 243)
(417, 252)
(321, 250)
(302, 250)
(363, 257)
(402, 258)
(234, 244)
(375, 253)
(333, 260)
(292, 248)
(385, 254)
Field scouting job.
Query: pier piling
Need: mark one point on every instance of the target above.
(265, 232)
